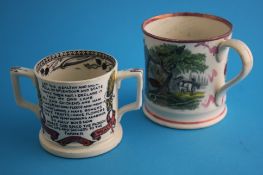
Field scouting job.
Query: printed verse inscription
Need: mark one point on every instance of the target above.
(73, 110)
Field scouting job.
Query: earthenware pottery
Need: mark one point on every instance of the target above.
(78, 101)
(186, 61)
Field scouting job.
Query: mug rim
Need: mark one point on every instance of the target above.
(77, 81)
(203, 15)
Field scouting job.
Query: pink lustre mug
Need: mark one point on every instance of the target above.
(78, 101)
(186, 60)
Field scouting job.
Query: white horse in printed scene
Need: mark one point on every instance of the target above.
(188, 83)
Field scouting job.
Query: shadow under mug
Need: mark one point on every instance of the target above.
(186, 61)
(78, 101)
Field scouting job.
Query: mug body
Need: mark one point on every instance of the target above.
(78, 102)
(183, 71)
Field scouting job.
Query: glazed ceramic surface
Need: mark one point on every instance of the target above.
(186, 63)
(78, 101)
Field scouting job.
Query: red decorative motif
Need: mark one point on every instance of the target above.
(77, 139)
(163, 16)
(213, 50)
(53, 134)
(213, 75)
(211, 99)
(96, 135)
(184, 123)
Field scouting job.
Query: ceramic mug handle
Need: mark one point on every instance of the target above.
(247, 61)
(138, 74)
(16, 72)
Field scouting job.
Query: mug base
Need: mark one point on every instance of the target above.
(181, 124)
(83, 152)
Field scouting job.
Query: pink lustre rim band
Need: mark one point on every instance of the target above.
(216, 18)
(184, 123)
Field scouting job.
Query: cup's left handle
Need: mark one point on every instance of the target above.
(16, 73)
(138, 74)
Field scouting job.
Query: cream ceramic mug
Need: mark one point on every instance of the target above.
(78, 101)
(186, 61)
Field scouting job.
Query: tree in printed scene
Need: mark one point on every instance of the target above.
(166, 84)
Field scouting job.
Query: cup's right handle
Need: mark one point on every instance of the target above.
(17, 72)
(247, 61)
(138, 74)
